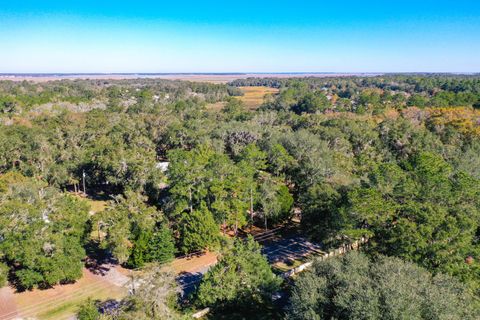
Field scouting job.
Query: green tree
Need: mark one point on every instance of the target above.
(188, 178)
(369, 100)
(152, 246)
(161, 245)
(88, 311)
(417, 100)
(321, 218)
(130, 226)
(424, 213)
(275, 199)
(43, 232)
(153, 297)
(204, 176)
(7, 104)
(354, 287)
(137, 257)
(235, 109)
(279, 160)
(3, 274)
(242, 277)
(312, 103)
(198, 230)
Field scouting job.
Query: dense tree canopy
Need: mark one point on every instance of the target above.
(354, 287)
(241, 279)
(42, 232)
(424, 212)
(136, 233)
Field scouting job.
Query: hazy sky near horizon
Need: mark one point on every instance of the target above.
(241, 36)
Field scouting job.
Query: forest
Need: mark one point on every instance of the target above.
(394, 159)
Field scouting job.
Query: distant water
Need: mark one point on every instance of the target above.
(215, 77)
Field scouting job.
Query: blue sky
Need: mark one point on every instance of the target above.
(240, 36)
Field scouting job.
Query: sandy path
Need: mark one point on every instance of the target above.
(195, 263)
(7, 302)
(35, 302)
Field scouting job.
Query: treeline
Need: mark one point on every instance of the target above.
(408, 83)
(18, 97)
(371, 94)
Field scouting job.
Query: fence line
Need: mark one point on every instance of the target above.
(336, 252)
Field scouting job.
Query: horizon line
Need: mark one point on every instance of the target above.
(34, 74)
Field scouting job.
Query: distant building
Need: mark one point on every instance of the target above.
(163, 166)
(45, 216)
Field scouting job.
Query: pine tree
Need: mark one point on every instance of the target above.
(161, 246)
(198, 230)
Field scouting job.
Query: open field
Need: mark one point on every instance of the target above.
(254, 96)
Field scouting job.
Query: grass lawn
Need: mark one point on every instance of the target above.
(97, 205)
(62, 301)
(66, 309)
